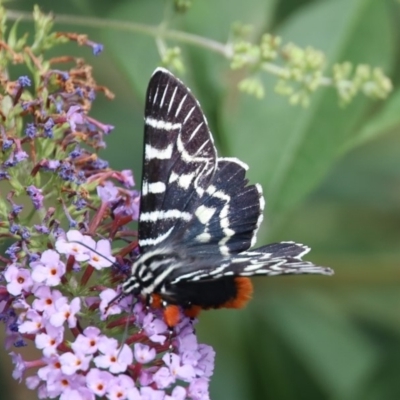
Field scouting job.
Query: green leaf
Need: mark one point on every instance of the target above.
(276, 371)
(338, 355)
(222, 329)
(12, 36)
(290, 149)
(387, 119)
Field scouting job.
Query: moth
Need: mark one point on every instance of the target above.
(198, 215)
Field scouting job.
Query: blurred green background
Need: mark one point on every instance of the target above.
(331, 178)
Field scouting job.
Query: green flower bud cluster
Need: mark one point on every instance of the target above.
(172, 59)
(182, 5)
(350, 80)
(300, 71)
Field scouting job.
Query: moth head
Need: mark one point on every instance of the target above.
(131, 286)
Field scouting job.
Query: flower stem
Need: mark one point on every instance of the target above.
(134, 27)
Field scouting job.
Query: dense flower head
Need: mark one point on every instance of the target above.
(61, 273)
(39, 306)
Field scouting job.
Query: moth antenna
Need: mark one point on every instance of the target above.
(116, 298)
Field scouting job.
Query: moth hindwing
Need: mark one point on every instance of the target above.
(198, 215)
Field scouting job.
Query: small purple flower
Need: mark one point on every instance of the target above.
(80, 204)
(98, 381)
(52, 165)
(43, 229)
(32, 382)
(4, 175)
(19, 343)
(25, 105)
(45, 300)
(67, 387)
(32, 257)
(7, 314)
(71, 362)
(114, 358)
(13, 250)
(58, 232)
(100, 164)
(80, 178)
(77, 152)
(49, 270)
(106, 128)
(121, 387)
(10, 162)
(146, 377)
(66, 312)
(198, 389)
(17, 208)
(126, 178)
(88, 342)
(177, 368)
(30, 105)
(36, 196)
(15, 228)
(48, 128)
(91, 127)
(7, 143)
(143, 353)
(97, 48)
(20, 156)
(71, 246)
(75, 116)
(24, 81)
(108, 193)
(163, 378)
(20, 366)
(33, 322)
(104, 260)
(92, 95)
(130, 206)
(30, 130)
(205, 364)
(49, 340)
(155, 328)
(79, 92)
(25, 234)
(52, 366)
(66, 172)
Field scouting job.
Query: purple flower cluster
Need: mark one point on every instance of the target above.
(161, 365)
(59, 291)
